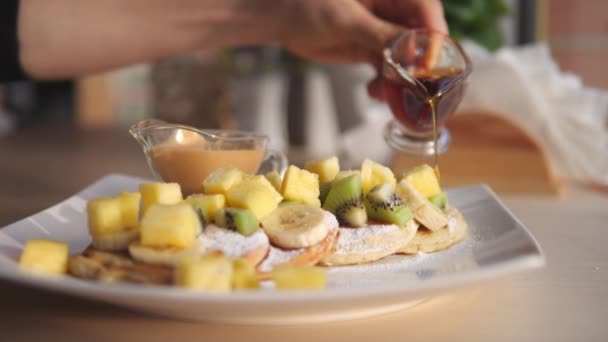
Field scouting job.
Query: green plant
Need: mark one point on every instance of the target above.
(476, 20)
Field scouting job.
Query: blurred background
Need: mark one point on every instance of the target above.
(308, 110)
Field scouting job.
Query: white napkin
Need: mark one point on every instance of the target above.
(524, 86)
(568, 120)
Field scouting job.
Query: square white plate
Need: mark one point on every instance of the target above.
(497, 245)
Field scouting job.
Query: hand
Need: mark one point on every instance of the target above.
(354, 31)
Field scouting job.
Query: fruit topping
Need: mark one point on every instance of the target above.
(242, 221)
(220, 180)
(423, 179)
(44, 257)
(373, 174)
(299, 278)
(170, 225)
(296, 226)
(326, 169)
(345, 200)
(300, 185)
(159, 193)
(382, 204)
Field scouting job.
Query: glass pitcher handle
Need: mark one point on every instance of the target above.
(277, 160)
(137, 130)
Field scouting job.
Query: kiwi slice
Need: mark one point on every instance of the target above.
(345, 200)
(440, 200)
(323, 191)
(382, 204)
(242, 221)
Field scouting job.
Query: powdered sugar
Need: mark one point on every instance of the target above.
(370, 239)
(453, 223)
(277, 256)
(233, 244)
(388, 264)
(331, 220)
(405, 268)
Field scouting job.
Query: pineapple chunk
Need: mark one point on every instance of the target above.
(169, 226)
(345, 173)
(263, 181)
(105, 216)
(211, 272)
(44, 257)
(208, 204)
(373, 174)
(260, 199)
(275, 179)
(244, 275)
(301, 186)
(159, 193)
(326, 169)
(221, 180)
(423, 179)
(129, 203)
(299, 277)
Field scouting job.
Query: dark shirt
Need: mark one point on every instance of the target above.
(10, 67)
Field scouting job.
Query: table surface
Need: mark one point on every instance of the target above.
(567, 300)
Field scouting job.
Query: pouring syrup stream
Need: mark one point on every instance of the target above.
(433, 105)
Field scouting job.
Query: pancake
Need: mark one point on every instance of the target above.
(234, 245)
(306, 256)
(428, 241)
(113, 267)
(367, 244)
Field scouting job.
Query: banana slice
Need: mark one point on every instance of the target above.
(84, 267)
(111, 268)
(170, 256)
(424, 211)
(109, 259)
(118, 241)
(295, 226)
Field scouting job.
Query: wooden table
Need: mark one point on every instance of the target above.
(568, 300)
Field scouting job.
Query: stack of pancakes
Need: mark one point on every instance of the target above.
(341, 245)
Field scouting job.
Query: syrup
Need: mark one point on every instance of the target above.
(423, 106)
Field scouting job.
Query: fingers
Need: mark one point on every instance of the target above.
(432, 18)
(375, 33)
(430, 15)
(375, 88)
(433, 50)
(426, 14)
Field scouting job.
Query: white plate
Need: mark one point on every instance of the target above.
(497, 245)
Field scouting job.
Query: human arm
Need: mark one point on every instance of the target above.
(67, 38)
